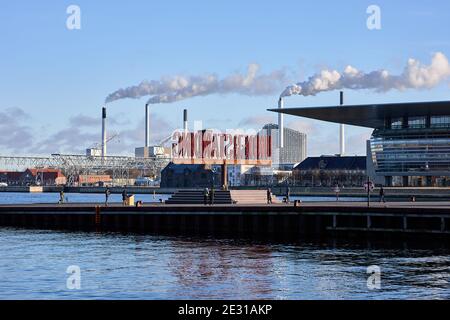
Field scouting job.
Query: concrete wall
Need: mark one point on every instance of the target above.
(23, 189)
(241, 221)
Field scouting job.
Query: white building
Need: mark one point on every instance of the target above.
(295, 146)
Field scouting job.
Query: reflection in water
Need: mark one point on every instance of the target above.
(33, 265)
(202, 264)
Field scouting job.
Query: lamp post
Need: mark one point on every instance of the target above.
(369, 187)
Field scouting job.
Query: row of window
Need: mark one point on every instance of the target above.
(409, 153)
(421, 122)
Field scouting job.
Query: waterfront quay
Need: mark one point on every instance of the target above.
(400, 193)
(319, 219)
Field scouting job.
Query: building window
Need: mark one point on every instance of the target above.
(440, 121)
(397, 123)
(417, 122)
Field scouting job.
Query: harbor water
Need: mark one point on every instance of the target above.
(34, 265)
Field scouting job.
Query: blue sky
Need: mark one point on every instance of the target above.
(54, 80)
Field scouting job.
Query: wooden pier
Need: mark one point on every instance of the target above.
(316, 219)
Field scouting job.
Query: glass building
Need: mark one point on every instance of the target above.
(410, 144)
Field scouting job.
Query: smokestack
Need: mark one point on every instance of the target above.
(147, 126)
(342, 131)
(103, 132)
(185, 120)
(280, 124)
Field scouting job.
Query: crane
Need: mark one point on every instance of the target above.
(98, 144)
(164, 141)
(95, 149)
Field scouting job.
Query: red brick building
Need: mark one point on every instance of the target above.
(43, 177)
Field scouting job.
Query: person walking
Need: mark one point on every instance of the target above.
(107, 194)
(382, 198)
(288, 194)
(269, 196)
(124, 197)
(61, 197)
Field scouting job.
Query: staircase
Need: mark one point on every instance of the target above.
(221, 197)
(251, 197)
(196, 197)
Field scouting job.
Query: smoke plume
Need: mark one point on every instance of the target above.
(176, 88)
(414, 76)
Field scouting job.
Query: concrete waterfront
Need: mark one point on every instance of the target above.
(320, 219)
(401, 193)
(98, 190)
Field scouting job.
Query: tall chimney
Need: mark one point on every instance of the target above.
(342, 131)
(280, 124)
(185, 120)
(147, 126)
(103, 132)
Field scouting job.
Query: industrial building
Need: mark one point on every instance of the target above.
(294, 146)
(329, 171)
(41, 177)
(158, 151)
(191, 176)
(410, 144)
(93, 180)
(204, 176)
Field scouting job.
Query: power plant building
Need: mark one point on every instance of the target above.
(410, 144)
(294, 146)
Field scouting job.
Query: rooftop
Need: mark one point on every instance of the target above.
(371, 115)
(333, 163)
(273, 126)
(180, 168)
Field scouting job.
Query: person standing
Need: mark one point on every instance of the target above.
(61, 197)
(337, 191)
(205, 196)
(211, 196)
(269, 196)
(288, 194)
(124, 197)
(107, 194)
(382, 198)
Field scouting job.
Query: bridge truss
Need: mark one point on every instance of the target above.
(120, 168)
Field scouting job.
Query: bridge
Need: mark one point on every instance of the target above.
(119, 167)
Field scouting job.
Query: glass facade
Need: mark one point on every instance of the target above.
(397, 123)
(417, 122)
(440, 122)
(416, 154)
